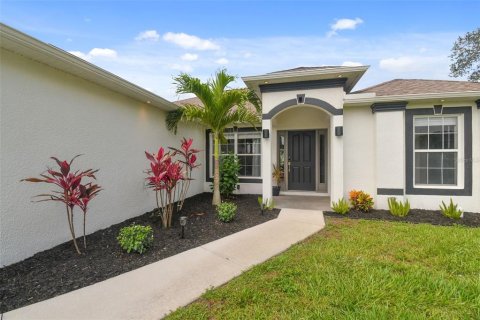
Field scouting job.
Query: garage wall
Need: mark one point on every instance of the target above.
(46, 112)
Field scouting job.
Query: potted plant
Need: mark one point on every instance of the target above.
(277, 175)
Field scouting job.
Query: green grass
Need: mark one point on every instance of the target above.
(357, 269)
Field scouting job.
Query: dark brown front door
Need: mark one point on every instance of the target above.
(301, 157)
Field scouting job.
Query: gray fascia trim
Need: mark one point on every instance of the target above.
(389, 106)
(410, 188)
(310, 101)
(207, 155)
(478, 103)
(301, 85)
(389, 192)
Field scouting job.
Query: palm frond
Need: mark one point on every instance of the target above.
(254, 100)
(188, 84)
(242, 115)
(220, 107)
(221, 81)
(193, 113)
(173, 119)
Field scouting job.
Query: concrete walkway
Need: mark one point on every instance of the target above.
(302, 202)
(157, 289)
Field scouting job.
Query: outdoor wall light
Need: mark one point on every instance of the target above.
(183, 223)
(266, 133)
(338, 131)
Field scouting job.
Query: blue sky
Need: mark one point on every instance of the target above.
(148, 42)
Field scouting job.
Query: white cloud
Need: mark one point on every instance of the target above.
(397, 64)
(80, 55)
(181, 67)
(344, 24)
(222, 61)
(430, 66)
(351, 64)
(152, 66)
(103, 52)
(96, 52)
(148, 35)
(247, 55)
(190, 42)
(189, 57)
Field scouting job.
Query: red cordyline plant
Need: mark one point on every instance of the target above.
(72, 192)
(163, 177)
(189, 159)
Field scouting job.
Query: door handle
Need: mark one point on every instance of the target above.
(289, 166)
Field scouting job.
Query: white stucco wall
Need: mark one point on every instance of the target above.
(304, 117)
(389, 153)
(359, 150)
(468, 203)
(46, 112)
(374, 156)
(300, 118)
(334, 96)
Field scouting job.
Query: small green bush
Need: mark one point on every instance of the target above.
(266, 205)
(226, 211)
(341, 206)
(135, 238)
(398, 208)
(451, 211)
(229, 169)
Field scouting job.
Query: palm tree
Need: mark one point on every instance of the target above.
(221, 107)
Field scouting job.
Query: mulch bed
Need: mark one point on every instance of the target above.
(60, 270)
(434, 217)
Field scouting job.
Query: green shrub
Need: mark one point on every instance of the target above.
(341, 206)
(398, 208)
(361, 200)
(451, 211)
(226, 211)
(135, 238)
(229, 169)
(266, 205)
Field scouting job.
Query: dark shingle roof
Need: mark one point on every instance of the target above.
(419, 86)
(303, 69)
(196, 101)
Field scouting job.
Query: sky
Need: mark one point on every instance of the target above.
(150, 42)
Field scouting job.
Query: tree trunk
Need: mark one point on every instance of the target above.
(72, 228)
(216, 172)
(84, 223)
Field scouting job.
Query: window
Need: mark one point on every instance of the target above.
(436, 150)
(247, 146)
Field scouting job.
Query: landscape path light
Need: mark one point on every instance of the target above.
(183, 223)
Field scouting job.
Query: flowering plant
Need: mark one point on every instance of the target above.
(361, 200)
(188, 158)
(72, 192)
(163, 177)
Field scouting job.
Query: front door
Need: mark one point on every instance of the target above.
(301, 160)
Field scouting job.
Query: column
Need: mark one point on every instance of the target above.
(389, 156)
(336, 158)
(267, 160)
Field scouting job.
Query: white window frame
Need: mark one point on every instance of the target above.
(235, 151)
(460, 153)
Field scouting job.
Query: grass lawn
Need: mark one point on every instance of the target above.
(358, 269)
